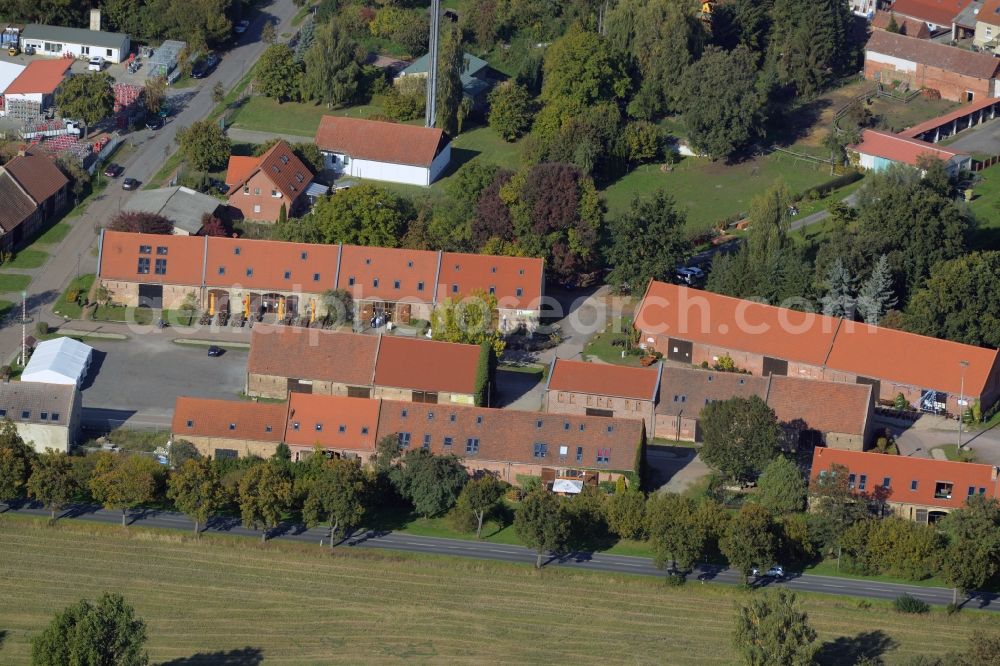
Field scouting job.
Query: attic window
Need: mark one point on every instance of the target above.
(710, 378)
(364, 430)
(236, 250)
(232, 426)
(368, 262)
(288, 275)
(319, 427)
(190, 423)
(222, 270)
(268, 428)
(409, 264)
(493, 290)
(375, 282)
(479, 420)
(452, 418)
(295, 426)
(611, 429)
(315, 277)
(275, 169)
(420, 286)
(454, 288)
(458, 267)
(565, 425)
(161, 249)
(538, 424)
(519, 292)
(145, 249)
(395, 284)
(304, 255)
(493, 270)
(942, 490)
(342, 428)
(250, 272)
(520, 272)
(284, 159)
(350, 281)
(298, 177)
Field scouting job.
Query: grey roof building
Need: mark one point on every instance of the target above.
(56, 40)
(47, 416)
(181, 205)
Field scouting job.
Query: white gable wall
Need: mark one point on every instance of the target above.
(388, 171)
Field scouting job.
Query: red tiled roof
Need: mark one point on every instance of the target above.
(263, 265)
(907, 26)
(39, 176)
(380, 141)
(232, 419)
(930, 53)
(426, 365)
(17, 206)
(239, 169)
(911, 359)
(413, 270)
(990, 12)
(604, 379)
(40, 76)
(947, 118)
(333, 422)
(713, 319)
(506, 435)
(686, 391)
(869, 351)
(119, 258)
(312, 353)
(938, 12)
(903, 471)
(516, 281)
(810, 404)
(279, 165)
(898, 148)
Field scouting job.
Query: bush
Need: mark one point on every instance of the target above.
(514, 494)
(675, 580)
(72, 296)
(905, 603)
(528, 483)
(608, 487)
(41, 328)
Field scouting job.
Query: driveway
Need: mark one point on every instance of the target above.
(674, 469)
(139, 379)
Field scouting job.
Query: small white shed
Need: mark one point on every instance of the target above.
(58, 361)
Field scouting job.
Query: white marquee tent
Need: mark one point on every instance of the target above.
(58, 361)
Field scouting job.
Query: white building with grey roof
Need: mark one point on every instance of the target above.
(58, 41)
(47, 416)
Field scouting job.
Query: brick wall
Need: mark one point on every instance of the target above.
(666, 427)
(951, 85)
(259, 204)
(569, 402)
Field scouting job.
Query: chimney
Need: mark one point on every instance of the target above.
(95, 19)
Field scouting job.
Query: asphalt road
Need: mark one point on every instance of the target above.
(619, 564)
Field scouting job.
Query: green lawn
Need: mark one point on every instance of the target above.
(13, 283)
(53, 234)
(600, 344)
(28, 258)
(985, 206)
(229, 600)
(72, 309)
(712, 191)
(951, 452)
(141, 316)
(264, 114)
(829, 568)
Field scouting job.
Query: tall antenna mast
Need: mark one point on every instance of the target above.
(432, 64)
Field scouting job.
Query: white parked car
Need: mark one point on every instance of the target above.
(96, 64)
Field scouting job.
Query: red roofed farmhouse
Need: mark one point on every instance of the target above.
(692, 326)
(878, 151)
(959, 75)
(383, 151)
(259, 187)
(937, 14)
(919, 489)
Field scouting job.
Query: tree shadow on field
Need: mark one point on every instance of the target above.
(851, 649)
(3, 636)
(248, 656)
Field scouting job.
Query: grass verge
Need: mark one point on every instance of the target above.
(53, 234)
(226, 600)
(72, 308)
(28, 258)
(14, 283)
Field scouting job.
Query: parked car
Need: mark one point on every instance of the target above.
(215, 351)
(204, 66)
(130, 184)
(773, 572)
(154, 122)
(114, 170)
(96, 64)
(689, 275)
(241, 27)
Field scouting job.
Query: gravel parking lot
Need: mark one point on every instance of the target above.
(139, 379)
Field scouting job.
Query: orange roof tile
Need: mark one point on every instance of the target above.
(120, 253)
(256, 264)
(332, 421)
(990, 12)
(911, 359)
(40, 76)
(389, 274)
(312, 353)
(810, 404)
(515, 281)
(279, 165)
(426, 365)
(938, 12)
(898, 148)
(713, 319)
(604, 379)
(239, 169)
(910, 480)
(380, 141)
(234, 419)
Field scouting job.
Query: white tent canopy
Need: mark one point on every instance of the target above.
(58, 361)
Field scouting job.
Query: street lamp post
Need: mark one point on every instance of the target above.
(961, 402)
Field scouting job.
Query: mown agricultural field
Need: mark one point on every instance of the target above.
(230, 600)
